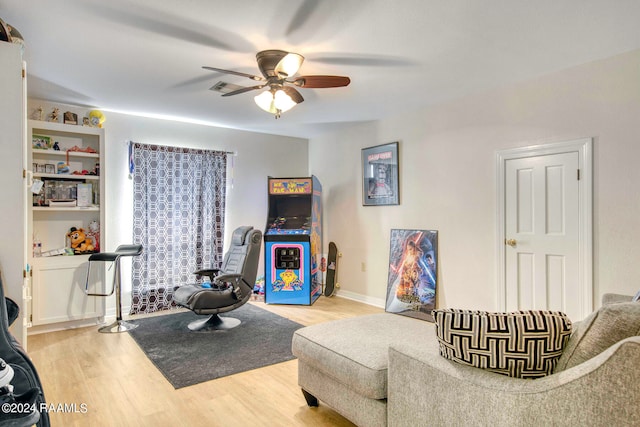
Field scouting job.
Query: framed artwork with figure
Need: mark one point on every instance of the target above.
(380, 175)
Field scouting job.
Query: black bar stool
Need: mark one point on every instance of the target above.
(123, 250)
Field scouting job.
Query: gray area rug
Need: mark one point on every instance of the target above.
(186, 358)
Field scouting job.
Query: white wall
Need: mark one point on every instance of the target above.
(447, 179)
(258, 156)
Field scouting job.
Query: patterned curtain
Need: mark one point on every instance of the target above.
(178, 217)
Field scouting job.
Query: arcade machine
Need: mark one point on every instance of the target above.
(293, 241)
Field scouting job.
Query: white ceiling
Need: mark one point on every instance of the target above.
(146, 56)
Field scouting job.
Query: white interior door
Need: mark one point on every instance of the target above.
(546, 230)
(542, 232)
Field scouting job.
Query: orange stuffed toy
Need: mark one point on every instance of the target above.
(80, 243)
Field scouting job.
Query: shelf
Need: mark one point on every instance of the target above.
(67, 208)
(65, 176)
(39, 152)
(63, 128)
(62, 261)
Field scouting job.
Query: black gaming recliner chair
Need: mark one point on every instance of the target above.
(228, 287)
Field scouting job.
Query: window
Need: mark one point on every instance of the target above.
(178, 216)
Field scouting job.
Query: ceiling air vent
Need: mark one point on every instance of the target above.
(224, 87)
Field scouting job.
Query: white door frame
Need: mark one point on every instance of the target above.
(585, 229)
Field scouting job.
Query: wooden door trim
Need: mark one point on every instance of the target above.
(584, 147)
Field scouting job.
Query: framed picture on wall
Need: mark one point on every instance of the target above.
(411, 284)
(380, 175)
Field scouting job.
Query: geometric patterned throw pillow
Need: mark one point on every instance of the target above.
(521, 344)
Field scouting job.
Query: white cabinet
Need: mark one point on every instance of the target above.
(58, 291)
(58, 281)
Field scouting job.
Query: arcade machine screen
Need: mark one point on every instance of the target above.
(290, 215)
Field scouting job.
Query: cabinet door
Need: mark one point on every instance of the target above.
(12, 208)
(59, 291)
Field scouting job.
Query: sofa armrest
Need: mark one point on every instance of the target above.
(425, 389)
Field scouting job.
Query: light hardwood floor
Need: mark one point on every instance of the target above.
(112, 378)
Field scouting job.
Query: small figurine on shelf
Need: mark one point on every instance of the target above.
(56, 146)
(38, 114)
(80, 243)
(94, 234)
(37, 246)
(54, 115)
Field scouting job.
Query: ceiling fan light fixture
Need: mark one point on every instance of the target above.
(283, 101)
(274, 102)
(289, 65)
(266, 101)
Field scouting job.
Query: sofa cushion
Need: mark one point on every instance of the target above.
(599, 331)
(355, 351)
(522, 344)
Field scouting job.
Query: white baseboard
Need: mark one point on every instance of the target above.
(61, 326)
(376, 302)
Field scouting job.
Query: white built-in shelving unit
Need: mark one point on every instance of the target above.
(58, 282)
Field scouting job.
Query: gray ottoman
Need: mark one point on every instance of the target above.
(344, 362)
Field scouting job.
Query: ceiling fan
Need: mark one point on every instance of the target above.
(278, 69)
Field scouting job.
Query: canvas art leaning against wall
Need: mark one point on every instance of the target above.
(411, 286)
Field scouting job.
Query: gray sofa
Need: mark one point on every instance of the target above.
(385, 369)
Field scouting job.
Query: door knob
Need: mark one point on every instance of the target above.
(510, 242)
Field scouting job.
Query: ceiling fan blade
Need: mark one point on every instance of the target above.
(358, 59)
(294, 94)
(237, 73)
(154, 21)
(306, 9)
(321, 81)
(243, 90)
